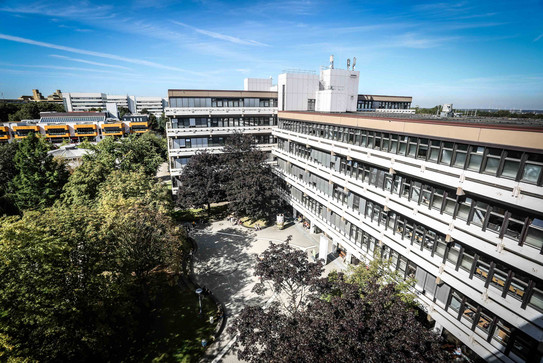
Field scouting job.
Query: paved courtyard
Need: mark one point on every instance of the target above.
(224, 263)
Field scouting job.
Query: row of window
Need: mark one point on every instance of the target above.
(508, 280)
(512, 342)
(214, 141)
(371, 105)
(521, 226)
(200, 122)
(503, 163)
(221, 102)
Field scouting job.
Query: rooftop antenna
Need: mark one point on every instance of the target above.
(348, 63)
(332, 61)
(354, 62)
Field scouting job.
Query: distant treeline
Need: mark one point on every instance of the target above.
(26, 111)
(482, 113)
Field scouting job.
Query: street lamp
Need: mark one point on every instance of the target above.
(199, 293)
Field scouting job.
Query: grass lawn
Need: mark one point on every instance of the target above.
(177, 328)
(195, 214)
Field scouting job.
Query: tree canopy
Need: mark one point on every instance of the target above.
(140, 154)
(203, 181)
(288, 272)
(26, 111)
(40, 178)
(250, 188)
(363, 318)
(74, 279)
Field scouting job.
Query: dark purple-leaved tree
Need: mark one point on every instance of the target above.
(288, 273)
(339, 321)
(250, 187)
(201, 180)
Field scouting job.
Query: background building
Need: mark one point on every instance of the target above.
(203, 119)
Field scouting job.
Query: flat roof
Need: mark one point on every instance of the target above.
(515, 135)
(385, 98)
(220, 93)
(62, 114)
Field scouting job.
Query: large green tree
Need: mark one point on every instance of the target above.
(137, 153)
(39, 178)
(8, 171)
(74, 280)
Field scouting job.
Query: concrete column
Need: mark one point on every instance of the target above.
(293, 212)
(348, 257)
(311, 227)
(438, 328)
(323, 249)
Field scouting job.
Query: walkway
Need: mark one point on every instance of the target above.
(224, 263)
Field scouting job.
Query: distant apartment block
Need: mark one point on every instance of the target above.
(82, 102)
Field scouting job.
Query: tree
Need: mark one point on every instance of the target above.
(153, 123)
(288, 273)
(201, 181)
(162, 120)
(350, 325)
(381, 271)
(135, 153)
(123, 111)
(8, 171)
(250, 188)
(73, 279)
(39, 178)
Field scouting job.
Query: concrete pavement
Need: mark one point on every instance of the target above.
(224, 263)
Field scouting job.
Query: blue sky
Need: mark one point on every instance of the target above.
(469, 53)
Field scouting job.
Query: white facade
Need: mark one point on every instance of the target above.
(257, 84)
(82, 102)
(294, 90)
(154, 105)
(338, 91)
(335, 90)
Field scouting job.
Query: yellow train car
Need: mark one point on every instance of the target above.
(22, 132)
(86, 130)
(4, 133)
(57, 131)
(139, 127)
(113, 129)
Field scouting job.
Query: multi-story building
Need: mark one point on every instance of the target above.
(458, 206)
(73, 127)
(203, 119)
(398, 104)
(82, 102)
(153, 105)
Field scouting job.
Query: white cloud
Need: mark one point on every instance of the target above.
(538, 37)
(88, 62)
(93, 53)
(220, 36)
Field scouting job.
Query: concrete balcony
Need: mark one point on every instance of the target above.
(210, 131)
(211, 111)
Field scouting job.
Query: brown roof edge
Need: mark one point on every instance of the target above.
(430, 122)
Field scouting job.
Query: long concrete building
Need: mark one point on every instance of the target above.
(458, 206)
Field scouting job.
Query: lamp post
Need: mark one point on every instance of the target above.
(199, 293)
